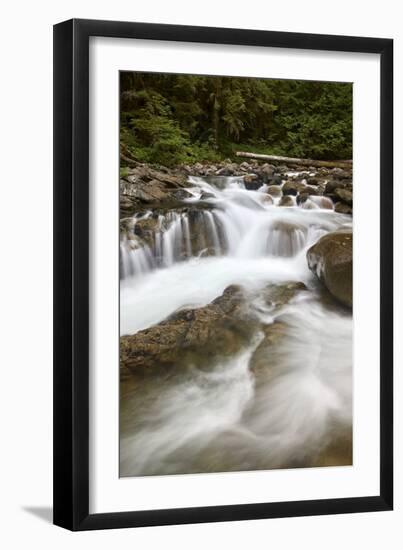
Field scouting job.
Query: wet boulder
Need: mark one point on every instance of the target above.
(225, 171)
(292, 188)
(309, 205)
(332, 185)
(345, 195)
(267, 199)
(302, 197)
(274, 190)
(267, 170)
(280, 294)
(338, 183)
(311, 190)
(274, 180)
(252, 182)
(191, 336)
(343, 208)
(331, 259)
(286, 200)
(199, 337)
(322, 202)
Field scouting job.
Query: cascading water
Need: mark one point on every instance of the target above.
(236, 223)
(296, 399)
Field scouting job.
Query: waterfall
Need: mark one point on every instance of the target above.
(221, 217)
(277, 402)
(186, 233)
(284, 241)
(213, 232)
(135, 260)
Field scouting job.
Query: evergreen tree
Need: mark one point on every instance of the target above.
(171, 119)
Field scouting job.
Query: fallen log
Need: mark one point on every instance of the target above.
(302, 162)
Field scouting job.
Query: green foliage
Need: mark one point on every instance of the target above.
(123, 172)
(172, 119)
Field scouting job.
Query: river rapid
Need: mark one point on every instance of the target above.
(294, 407)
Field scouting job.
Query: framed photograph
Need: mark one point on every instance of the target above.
(222, 351)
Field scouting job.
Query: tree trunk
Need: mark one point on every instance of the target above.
(216, 110)
(302, 162)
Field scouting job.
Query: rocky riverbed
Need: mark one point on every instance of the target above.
(146, 186)
(236, 296)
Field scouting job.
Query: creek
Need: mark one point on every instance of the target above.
(287, 406)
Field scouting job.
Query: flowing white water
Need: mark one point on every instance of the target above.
(239, 223)
(296, 401)
(219, 397)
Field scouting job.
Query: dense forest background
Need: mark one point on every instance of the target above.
(172, 119)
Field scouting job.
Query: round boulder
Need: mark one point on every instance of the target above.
(267, 199)
(251, 182)
(291, 188)
(331, 259)
(322, 202)
(274, 190)
(267, 172)
(286, 200)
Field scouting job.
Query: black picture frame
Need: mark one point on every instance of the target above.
(71, 274)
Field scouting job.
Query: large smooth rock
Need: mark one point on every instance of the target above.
(192, 336)
(198, 337)
(331, 259)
